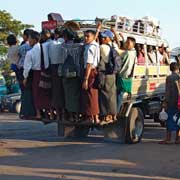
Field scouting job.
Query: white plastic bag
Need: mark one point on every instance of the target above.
(176, 118)
(163, 116)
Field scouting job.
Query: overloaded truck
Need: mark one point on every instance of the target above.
(144, 91)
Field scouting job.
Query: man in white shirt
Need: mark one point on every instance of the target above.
(57, 100)
(90, 105)
(33, 57)
(23, 49)
(33, 63)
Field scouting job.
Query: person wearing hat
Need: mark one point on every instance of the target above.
(107, 81)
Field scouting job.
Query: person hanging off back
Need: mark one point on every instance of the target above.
(107, 81)
(54, 52)
(89, 95)
(33, 62)
(69, 72)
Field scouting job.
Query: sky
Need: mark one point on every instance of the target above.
(35, 11)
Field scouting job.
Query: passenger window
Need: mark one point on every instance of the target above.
(166, 56)
(138, 26)
(140, 54)
(163, 55)
(151, 53)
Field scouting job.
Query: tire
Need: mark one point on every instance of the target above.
(17, 107)
(135, 126)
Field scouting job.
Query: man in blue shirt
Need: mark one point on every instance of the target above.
(23, 49)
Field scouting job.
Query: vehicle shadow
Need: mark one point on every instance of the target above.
(78, 161)
(33, 151)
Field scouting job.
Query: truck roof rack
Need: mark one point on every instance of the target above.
(145, 26)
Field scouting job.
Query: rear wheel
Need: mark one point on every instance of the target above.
(135, 126)
(17, 107)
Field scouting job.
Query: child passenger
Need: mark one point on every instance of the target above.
(12, 55)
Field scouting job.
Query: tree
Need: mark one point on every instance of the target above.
(9, 25)
(6, 72)
(3, 49)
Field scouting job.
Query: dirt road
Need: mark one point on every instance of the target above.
(31, 151)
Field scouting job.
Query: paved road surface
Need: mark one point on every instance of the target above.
(31, 151)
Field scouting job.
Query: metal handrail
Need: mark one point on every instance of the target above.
(139, 27)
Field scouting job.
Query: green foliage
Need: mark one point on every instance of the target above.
(6, 72)
(3, 50)
(5, 67)
(10, 25)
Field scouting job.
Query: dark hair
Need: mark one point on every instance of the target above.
(69, 33)
(34, 35)
(45, 31)
(132, 39)
(91, 32)
(149, 48)
(58, 31)
(174, 66)
(11, 40)
(27, 32)
(138, 47)
(52, 36)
